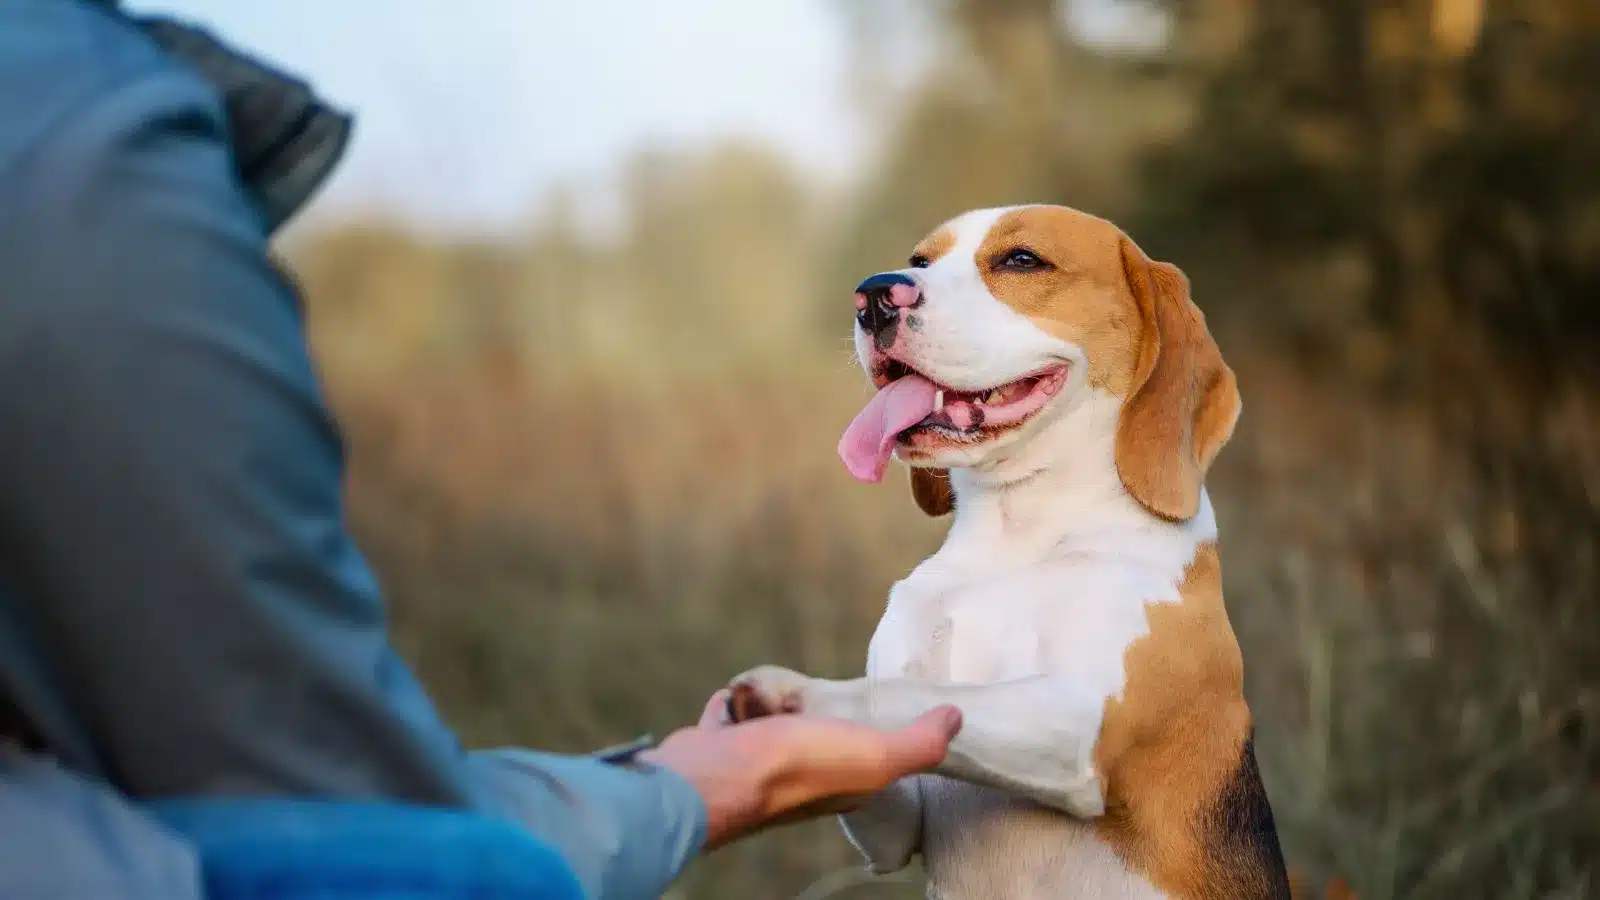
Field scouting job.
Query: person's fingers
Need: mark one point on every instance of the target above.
(922, 744)
(831, 758)
(829, 766)
(715, 715)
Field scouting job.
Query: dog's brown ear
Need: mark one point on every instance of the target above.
(1184, 400)
(931, 489)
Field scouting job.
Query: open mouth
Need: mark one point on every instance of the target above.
(964, 414)
(913, 411)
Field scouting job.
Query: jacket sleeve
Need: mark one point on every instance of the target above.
(172, 543)
(627, 830)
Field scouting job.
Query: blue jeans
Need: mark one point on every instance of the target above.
(66, 837)
(307, 850)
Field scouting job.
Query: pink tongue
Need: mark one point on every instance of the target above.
(869, 441)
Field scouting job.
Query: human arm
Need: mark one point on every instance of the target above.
(182, 612)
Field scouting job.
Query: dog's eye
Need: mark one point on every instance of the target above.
(919, 262)
(1021, 259)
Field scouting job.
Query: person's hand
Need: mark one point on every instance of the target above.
(785, 768)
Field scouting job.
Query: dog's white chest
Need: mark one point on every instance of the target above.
(1072, 617)
(979, 844)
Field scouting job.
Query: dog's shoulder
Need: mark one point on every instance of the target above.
(1185, 795)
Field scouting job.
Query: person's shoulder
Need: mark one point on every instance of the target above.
(92, 113)
(113, 155)
(63, 61)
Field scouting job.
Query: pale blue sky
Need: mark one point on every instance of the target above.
(470, 110)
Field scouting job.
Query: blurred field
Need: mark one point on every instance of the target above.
(597, 474)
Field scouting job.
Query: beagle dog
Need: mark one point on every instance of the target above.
(1059, 390)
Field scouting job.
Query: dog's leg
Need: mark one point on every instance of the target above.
(1034, 737)
(887, 827)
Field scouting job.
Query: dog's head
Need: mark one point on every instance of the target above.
(1002, 321)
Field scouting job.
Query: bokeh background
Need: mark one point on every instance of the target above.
(581, 300)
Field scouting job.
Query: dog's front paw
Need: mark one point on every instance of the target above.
(765, 691)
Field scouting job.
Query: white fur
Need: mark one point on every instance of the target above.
(1022, 619)
(967, 339)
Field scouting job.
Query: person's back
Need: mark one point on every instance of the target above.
(126, 241)
(106, 141)
(182, 613)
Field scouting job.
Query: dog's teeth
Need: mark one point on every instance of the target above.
(992, 397)
(938, 401)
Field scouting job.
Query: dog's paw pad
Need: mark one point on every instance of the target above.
(748, 699)
(745, 703)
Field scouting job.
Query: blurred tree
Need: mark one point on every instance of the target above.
(1448, 144)
(716, 249)
(1409, 189)
(1435, 162)
(1006, 103)
(1414, 545)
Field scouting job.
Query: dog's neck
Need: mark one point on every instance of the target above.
(1058, 492)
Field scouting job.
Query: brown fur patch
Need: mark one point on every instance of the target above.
(935, 245)
(1184, 802)
(1082, 297)
(1185, 399)
(1145, 340)
(931, 489)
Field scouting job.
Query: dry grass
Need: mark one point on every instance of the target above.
(574, 560)
(570, 565)
(596, 485)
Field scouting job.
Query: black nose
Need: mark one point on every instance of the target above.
(883, 281)
(878, 303)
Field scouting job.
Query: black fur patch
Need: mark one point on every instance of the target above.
(1241, 838)
(883, 331)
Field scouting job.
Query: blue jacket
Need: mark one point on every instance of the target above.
(182, 612)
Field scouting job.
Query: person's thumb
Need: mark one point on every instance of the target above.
(924, 743)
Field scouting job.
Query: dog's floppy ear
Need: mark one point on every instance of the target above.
(931, 489)
(1184, 400)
